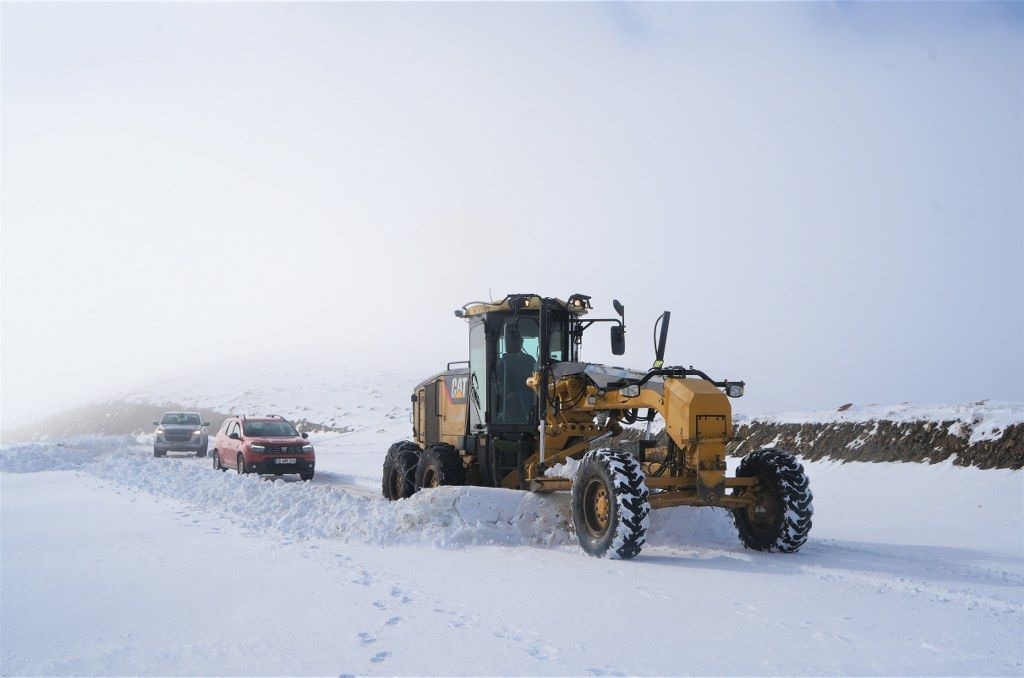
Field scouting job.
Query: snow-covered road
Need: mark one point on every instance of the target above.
(117, 563)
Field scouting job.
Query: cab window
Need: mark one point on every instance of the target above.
(530, 333)
(477, 374)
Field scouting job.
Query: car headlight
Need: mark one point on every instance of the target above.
(307, 448)
(159, 431)
(197, 432)
(257, 448)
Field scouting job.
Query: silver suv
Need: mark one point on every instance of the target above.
(180, 432)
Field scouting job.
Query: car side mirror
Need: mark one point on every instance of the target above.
(206, 423)
(235, 436)
(156, 423)
(618, 339)
(305, 435)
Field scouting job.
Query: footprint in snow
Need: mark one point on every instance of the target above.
(366, 638)
(398, 593)
(392, 621)
(541, 651)
(380, 657)
(379, 605)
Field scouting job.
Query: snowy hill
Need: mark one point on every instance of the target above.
(320, 393)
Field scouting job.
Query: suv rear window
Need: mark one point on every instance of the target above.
(181, 419)
(269, 429)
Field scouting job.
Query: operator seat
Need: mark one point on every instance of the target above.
(513, 369)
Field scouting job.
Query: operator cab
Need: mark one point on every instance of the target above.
(505, 349)
(523, 336)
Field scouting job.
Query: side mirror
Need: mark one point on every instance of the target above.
(156, 423)
(305, 435)
(619, 308)
(235, 436)
(206, 423)
(618, 339)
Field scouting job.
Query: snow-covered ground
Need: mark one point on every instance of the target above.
(114, 562)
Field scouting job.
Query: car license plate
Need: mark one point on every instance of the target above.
(284, 461)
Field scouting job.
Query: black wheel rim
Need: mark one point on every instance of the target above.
(430, 477)
(597, 508)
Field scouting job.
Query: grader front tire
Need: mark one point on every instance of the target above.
(610, 505)
(781, 518)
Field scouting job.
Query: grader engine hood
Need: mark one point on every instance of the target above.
(602, 376)
(679, 399)
(696, 413)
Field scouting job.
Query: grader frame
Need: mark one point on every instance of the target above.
(464, 432)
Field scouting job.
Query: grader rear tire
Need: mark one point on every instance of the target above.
(440, 464)
(610, 505)
(781, 519)
(399, 478)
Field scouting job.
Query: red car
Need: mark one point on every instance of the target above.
(267, 445)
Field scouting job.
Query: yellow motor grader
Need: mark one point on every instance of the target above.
(524, 412)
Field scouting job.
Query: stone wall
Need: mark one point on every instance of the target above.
(920, 441)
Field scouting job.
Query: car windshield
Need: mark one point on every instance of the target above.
(270, 429)
(181, 419)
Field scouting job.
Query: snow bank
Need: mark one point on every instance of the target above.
(64, 455)
(447, 517)
(691, 526)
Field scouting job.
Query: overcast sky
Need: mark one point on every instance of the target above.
(828, 197)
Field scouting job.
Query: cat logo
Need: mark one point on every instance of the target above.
(457, 390)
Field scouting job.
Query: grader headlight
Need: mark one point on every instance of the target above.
(734, 390)
(631, 391)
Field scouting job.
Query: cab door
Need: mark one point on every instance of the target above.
(432, 412)
(477, 387)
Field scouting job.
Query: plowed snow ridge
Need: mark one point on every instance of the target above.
(446, 517)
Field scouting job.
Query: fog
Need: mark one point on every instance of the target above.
(828, 197)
